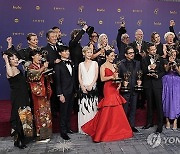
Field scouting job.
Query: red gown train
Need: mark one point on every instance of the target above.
(110, 122)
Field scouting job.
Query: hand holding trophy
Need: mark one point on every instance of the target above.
(139, 86)
(125, 87)
(89, 29)
(152, 70)
(117, 79)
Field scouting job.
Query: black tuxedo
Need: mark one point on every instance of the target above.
(65, 87)
(131, 97)
(153, 89)
(143, 48)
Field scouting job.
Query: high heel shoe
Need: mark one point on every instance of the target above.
(175, 125)
(167, 125)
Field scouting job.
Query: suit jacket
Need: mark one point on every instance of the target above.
(152, 82)
(121, 45)
(51, 56)
(23, 54)
(143, 48)
(75, 49)
(64, 80)
(123, 69)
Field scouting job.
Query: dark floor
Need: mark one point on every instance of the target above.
(167, 143)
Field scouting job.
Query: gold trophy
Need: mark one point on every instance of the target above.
(154, 59)
(125, 87)
(139, 86)
(89, 30)
(116, 66)
(43, 60)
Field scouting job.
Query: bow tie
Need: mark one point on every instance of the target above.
(67, 62)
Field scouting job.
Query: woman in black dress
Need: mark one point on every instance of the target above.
(19, 100)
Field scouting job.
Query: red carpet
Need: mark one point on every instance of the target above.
(5, 111)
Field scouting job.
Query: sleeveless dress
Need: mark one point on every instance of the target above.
(19, 100)
(110, 122)
(87, 102)
(170, 95)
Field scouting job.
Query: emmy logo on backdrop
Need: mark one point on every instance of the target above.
(126, 77)
(139, 86)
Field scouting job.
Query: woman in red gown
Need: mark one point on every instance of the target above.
(110, 122)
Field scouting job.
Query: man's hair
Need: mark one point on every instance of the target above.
(128, 48)
(149, 45)
(29, 35)
(49, 32)
(62, 48)
(55, 27)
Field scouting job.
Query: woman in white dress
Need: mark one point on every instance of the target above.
(88, 100)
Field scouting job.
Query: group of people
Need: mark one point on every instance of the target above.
(96, 81)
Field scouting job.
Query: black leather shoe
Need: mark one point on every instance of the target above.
(134, 129)
(148, 126)
(159, 130)
(70, 132)
(65, 136)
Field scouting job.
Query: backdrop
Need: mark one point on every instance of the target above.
(19, 17)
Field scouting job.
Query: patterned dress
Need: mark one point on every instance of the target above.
(41, 93)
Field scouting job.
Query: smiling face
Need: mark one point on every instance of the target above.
(110, 58)
(58, 33)
(37, 58)
(139, 35)
(94, 37)
(13, 61)
(52, 38)
(157, 38)
(88, 54)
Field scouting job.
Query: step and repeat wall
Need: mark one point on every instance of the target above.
(19, 17)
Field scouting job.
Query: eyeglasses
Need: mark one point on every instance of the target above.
(130, 53)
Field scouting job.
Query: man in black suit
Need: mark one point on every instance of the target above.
(133, 66)
(51, 47)
(64, 72)
(153, 71)
(139, 45)
(53, 58)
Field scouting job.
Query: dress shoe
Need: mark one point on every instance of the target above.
(159, 130)
(148, 126)
(65, 136)
(70, 131)
(134, 129)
